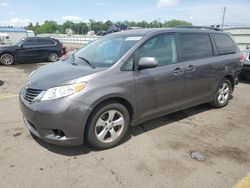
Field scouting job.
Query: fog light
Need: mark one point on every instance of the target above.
(58, 132)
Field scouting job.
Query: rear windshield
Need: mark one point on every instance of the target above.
(224, 44)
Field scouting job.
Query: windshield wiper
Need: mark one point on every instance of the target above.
(90, 64)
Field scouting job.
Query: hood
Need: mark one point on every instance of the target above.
(57, 74)
(7, 47)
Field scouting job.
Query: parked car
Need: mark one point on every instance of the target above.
(117, 28)
(32, 49)
(126, 78)
(101, 33)
(246, 64)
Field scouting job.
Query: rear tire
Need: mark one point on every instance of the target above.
(107, 125)
(222, 95)
(53, 57)
(7, 59)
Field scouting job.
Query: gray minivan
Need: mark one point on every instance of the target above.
(126, 78)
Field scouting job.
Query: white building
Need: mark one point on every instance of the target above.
(241, 35)
(16, 33)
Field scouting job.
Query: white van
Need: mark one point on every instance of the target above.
(4, 37)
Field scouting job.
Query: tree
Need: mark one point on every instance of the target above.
(30, 27)
(67, 24)
(174, 23)
(107, 25)
(83, 28)
(49, 27)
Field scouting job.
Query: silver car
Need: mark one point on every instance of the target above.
(245, 72)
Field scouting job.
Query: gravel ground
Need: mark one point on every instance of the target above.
(154, 154)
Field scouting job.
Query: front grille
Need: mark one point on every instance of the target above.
(30, 94)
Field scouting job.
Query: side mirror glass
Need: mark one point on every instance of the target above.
(147, 62)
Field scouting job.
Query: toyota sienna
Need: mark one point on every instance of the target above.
(126, 78)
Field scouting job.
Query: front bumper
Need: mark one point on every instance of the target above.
(44, 119)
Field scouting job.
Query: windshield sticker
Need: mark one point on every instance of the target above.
(132, 38)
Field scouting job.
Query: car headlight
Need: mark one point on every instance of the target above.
(63, 91)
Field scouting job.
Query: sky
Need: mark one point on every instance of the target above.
(22, 12)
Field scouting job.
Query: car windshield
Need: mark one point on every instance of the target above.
(18, 42)
(106, 51)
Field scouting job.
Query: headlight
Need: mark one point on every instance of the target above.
(62, 91)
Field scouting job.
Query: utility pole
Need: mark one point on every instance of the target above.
(223, 17)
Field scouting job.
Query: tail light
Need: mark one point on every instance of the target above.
(242, 58)
(63, 50)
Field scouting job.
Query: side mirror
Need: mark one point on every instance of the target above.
(147, 62)
(21, 45)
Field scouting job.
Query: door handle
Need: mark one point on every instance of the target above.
(190, 68)
(178, 71)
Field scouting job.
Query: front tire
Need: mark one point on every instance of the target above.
(222, 95)
(107, 125)
(7, 59)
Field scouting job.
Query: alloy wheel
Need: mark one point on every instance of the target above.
(109, 126)
(224, 92)
(7, 59)
(53, 57)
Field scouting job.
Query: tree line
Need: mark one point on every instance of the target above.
(83, 27)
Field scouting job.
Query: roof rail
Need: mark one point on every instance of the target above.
(199, 27)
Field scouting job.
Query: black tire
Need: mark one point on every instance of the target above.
(91, 130)
(53, 57)
(217, 103)
(7, 59)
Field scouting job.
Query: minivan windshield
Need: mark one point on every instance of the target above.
(104, 52)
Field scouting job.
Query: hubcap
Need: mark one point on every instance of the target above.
(109, 126)
(7, 59)
(53, 57)
(224, 92)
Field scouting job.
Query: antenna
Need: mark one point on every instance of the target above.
(223, 17)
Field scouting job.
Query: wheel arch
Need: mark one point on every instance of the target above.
(231, 79)
(7, 52)
(119, 99)
(107, 99)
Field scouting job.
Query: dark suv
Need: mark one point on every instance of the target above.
(32, 49)
(126, 78)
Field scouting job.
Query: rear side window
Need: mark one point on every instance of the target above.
(46, 42)
(49, 42)
(224, 44)
(195, 46)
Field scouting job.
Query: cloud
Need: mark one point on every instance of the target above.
(99, 3)
(167, 3)
(17, 22)
(12, 12)
(4, 4)
(72, 18)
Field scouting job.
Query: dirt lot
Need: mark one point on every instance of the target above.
(154, 154)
